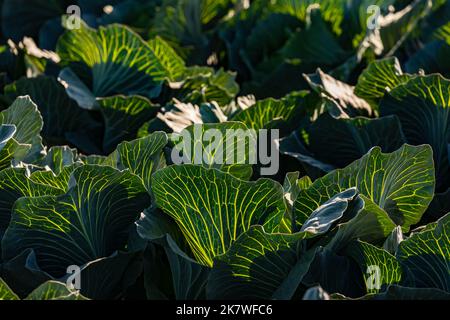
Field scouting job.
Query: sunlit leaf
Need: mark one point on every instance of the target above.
(401, 183)
(230, 147)
(212, 208)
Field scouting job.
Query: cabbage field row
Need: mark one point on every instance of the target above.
(224, 149)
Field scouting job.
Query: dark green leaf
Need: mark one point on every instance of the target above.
(425, 257)
(422, 105)
(90, 221)
(339, 142)
(60, 113)
(123, 117)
